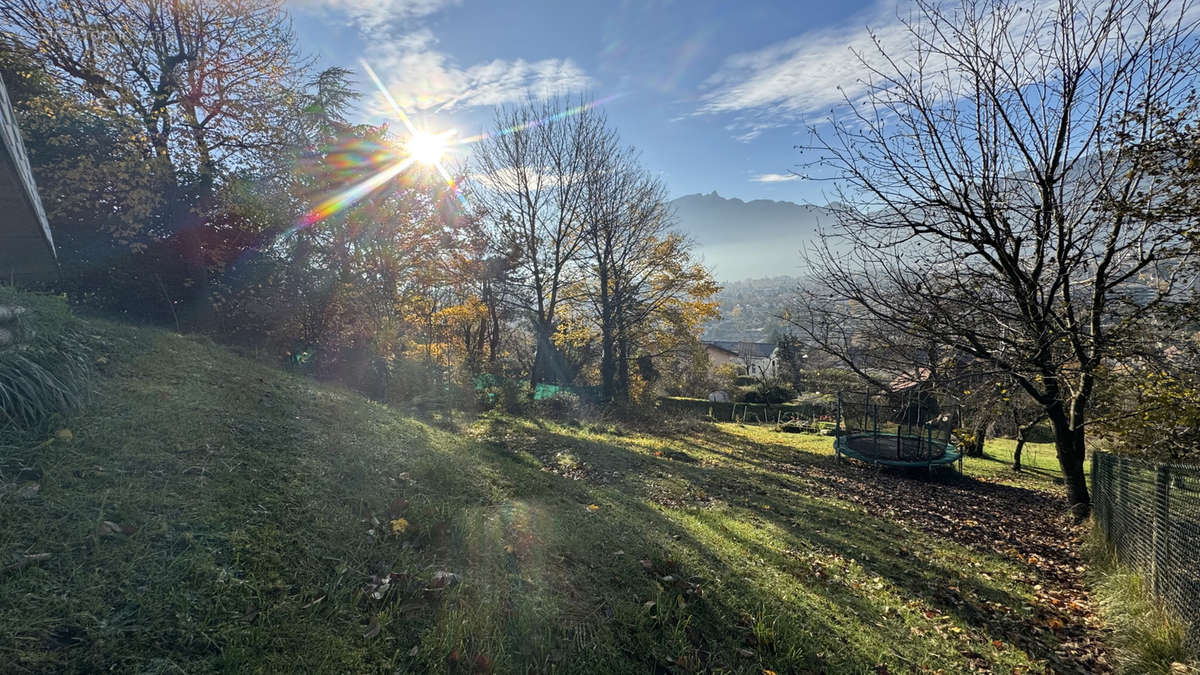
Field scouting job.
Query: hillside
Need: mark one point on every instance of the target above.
(751, 310)
(208, 513)
(754, 239)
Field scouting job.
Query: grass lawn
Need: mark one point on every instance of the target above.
(212, 514)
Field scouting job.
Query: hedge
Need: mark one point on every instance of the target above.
(724, 411)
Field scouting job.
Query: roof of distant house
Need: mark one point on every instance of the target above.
(754, 350)
(907, 380)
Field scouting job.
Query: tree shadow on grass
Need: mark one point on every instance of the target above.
(1019, 524)
(593, 591)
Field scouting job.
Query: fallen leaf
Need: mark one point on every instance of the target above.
(397, 506)
(442, 579)
(593, 507)
(109, 527)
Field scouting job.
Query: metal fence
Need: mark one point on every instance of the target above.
(1150, 514)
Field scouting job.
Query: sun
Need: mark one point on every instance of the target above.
(428, 148)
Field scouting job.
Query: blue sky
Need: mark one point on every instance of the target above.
(715, 94)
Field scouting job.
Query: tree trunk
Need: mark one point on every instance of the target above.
(608, 357)
(1069, 446)
(978, 438)
(545, 359)
(1017, 451)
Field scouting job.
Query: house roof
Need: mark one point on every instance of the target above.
(26, 246)
(754, 350)
(908, 380)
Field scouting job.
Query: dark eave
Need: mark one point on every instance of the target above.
(26, 245)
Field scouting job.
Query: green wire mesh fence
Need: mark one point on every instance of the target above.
(1150, 514)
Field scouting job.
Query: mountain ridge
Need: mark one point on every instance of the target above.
(741, 239)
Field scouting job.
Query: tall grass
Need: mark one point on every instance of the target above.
(45, 370)
(1147, 637)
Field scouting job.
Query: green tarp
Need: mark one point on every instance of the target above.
(542, 391)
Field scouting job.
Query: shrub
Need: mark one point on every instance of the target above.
(514, 395)
(45, 365)
(769, 392)
(562, 405)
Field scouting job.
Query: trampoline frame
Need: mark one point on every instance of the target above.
(843, 437)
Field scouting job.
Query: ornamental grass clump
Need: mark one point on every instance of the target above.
(45, 360)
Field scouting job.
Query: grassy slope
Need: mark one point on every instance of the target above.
(255, 515)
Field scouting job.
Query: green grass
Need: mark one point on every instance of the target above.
(208, 513)
(1039, 463)
(1147, 638)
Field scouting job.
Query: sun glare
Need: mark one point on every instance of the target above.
(427, 148)
(421, 147)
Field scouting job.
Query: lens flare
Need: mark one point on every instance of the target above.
(420, 147)
(348, 197)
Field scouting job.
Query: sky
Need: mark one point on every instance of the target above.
(715, 94)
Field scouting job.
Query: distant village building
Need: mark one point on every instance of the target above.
(26, 246)
(755, 359)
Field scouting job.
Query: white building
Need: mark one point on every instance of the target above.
(756, 359)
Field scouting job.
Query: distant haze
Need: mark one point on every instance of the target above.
(749, 240)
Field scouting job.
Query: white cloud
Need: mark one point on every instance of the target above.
(373, 15)
(805, 75)
(775, 178)
(815, 72)
(420, 77)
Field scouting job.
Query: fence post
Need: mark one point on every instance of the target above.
(1162, 529)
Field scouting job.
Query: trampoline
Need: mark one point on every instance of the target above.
(894, 429)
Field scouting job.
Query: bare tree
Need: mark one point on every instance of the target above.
(990, 201)
(204, 77)
(529, 176)
(627, 221)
